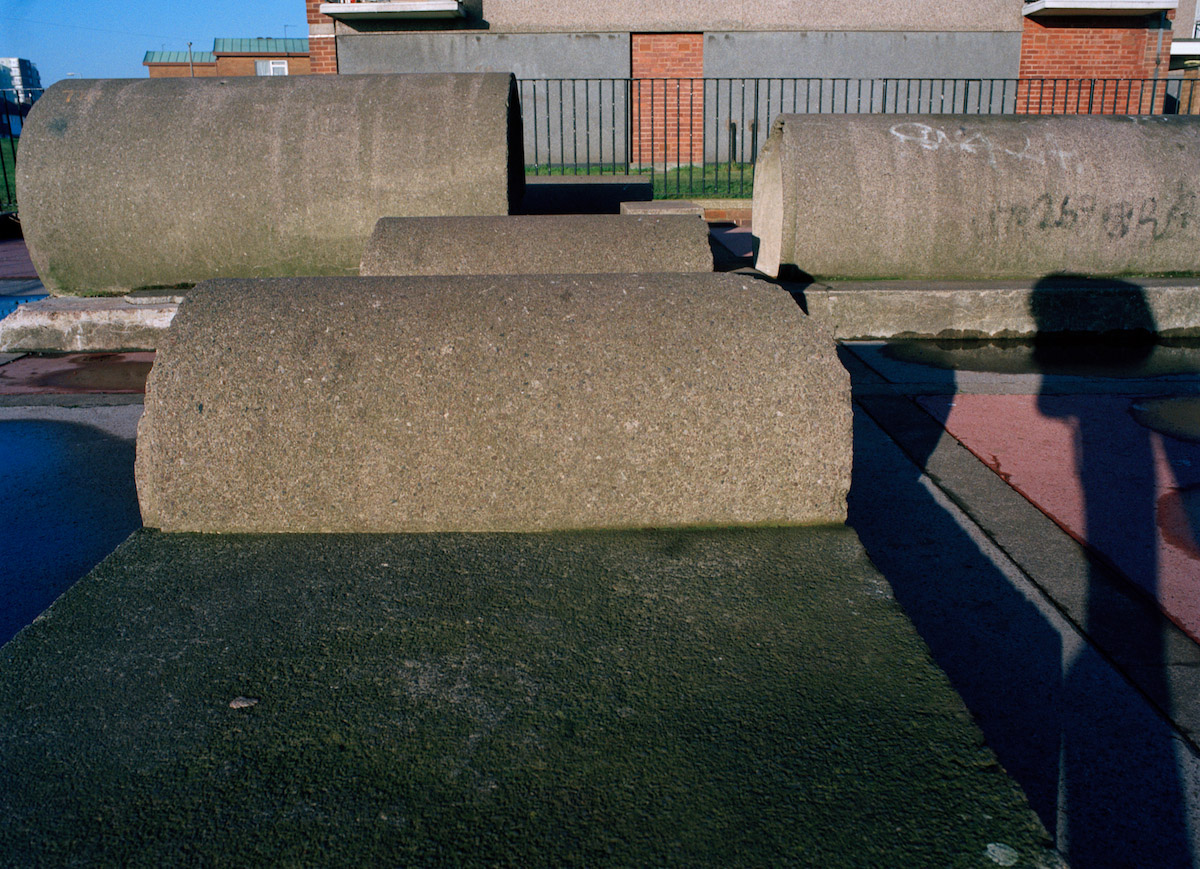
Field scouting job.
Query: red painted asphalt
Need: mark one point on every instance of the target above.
(1127, 491)
(15, 263)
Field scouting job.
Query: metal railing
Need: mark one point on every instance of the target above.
(700, 137)
(14, 106)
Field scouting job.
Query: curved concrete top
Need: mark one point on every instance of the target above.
(537, 244)
(493, 403)
(128, 183)
(977, 197)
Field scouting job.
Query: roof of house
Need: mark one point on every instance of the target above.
(179, 57)
(260, 46)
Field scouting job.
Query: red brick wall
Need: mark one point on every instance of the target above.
(1108, 51)
(181, 70)
(668, 97)
(322, 47)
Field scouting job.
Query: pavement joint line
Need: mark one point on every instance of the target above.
(1039, 548)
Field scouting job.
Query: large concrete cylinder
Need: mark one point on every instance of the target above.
(493, 403)
(947, 196)
(130, 183)
(542, 245)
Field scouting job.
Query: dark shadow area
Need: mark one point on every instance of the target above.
(10, 227)
(582, 194)
(996, 647)
(70, 499)
(1095, 759)
(1112, 512)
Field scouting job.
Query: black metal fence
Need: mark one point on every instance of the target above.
(700, 137)
(14, 106)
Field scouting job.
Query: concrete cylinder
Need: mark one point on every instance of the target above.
(542, 245)
(493, 403)
(130, 183)
(947, 196)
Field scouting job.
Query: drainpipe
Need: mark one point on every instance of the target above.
(1162, 25)
(192, 69)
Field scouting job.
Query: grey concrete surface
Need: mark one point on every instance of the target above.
(884, 54)
(663, 206)
(525, 55)
(862, 310)
(132, 183)
(938, 196)
(61, 324)
(662, 698)
(541, 244)
(484, 403)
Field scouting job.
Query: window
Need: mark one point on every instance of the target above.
(270, 67)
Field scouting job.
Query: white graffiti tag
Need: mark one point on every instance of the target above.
(974, 142)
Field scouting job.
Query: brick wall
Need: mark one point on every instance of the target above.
(667, 97)
(1107, 51)
(181, 70)
(245, 65)
(322, 47)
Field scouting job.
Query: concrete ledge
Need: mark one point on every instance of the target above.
(92, 324)
(539, 244)
(997, 309)
(662, 207)
(493, 403)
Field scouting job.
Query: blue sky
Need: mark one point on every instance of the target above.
(108, 38)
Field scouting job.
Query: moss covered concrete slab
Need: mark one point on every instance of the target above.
(748, 697)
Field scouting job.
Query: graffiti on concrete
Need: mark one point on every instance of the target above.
(1153, 216)
(1019, 148)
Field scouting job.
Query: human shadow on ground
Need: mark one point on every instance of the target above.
(1138, 792)
(70, 499)
(1097, 763)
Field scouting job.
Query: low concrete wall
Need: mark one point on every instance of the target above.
(537, 245)
(866, 310)
(941, 196)
(130, 183)
(493, 403)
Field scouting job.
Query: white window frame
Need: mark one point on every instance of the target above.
(274, 66)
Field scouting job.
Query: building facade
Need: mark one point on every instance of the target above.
(233, 57)
(674, 65)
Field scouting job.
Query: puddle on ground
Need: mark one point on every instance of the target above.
(1178, 514)
(78, 373)
(1104, 356)
(1175, 417)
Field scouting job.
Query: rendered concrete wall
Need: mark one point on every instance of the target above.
(531, 16)
(493, 403)
(542, 245)
(525, 55)
(937, 196)
(863, 54)
(564, 121)
(129, 183)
